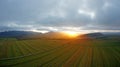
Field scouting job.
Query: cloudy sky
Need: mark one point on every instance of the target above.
(59, 15)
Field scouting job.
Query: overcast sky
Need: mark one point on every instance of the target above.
(59, 15)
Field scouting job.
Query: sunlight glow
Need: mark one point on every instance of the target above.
(71, 34)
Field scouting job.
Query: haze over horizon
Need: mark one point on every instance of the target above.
(60, 15)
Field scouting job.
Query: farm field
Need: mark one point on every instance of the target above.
(59, 53)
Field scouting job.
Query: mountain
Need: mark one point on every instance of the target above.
(92, 35)
(112, 35)
(33, 35)
(48, 35)
(16, 33)
(57, 35)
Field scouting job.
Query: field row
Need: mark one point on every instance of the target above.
(60, 53)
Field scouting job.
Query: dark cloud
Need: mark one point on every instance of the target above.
(36, 14)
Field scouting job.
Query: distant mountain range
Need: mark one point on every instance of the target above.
(92, 35)
(32, 35)
(53, 35)
(16, 33)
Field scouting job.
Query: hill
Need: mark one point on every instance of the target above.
(16, 33)
(92, 36)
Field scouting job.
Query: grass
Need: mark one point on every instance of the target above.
(59, 53)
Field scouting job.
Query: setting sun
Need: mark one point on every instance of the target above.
(71, 34)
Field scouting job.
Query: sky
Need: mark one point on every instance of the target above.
(60, 15)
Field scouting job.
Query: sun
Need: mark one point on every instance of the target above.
(71, 34)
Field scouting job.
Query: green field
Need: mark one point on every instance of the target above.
(59, 53)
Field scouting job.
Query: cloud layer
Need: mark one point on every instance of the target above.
(59, 15)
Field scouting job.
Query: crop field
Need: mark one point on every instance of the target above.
(59, 53)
